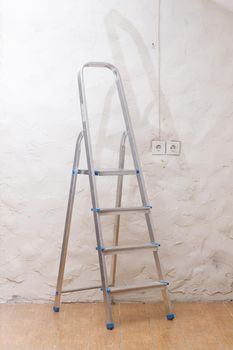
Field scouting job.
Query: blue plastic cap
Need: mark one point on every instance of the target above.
(166, 283)
(110, 326)
(156, 244)
(100, 248)
(108, 290)
(137, 171)
(170, 317)
(97, 210)
(56, 309)
(96, 172)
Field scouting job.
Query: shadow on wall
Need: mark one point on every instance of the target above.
(114, 21)
(225, 4)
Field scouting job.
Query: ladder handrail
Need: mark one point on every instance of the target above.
(94, 65)
(126, 115)
(101, 65)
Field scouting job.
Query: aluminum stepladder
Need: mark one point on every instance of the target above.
(109, 289)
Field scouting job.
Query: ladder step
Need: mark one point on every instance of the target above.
(131, 288)
(110, 211)
(108, 172)
(127, 248)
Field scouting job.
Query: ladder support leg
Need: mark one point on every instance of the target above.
(164, 291)
(106, 294)
(57, 302)
(118, 205)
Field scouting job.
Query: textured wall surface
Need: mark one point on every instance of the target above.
(42, 44)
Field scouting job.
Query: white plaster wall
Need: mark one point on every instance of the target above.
(42, 44)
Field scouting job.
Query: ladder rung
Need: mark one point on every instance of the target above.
(109, 211)
(130, 288)
(109, 172)
(127, 248)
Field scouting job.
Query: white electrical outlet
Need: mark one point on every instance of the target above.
(173, 148)
(158, 147)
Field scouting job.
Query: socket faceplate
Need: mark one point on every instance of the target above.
(158, 147)
(173, 148)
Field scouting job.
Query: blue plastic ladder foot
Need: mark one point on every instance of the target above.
(170, 317)
(110, 326)
(56, 309)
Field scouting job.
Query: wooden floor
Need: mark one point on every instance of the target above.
(138, 326)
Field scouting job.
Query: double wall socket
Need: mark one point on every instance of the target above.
(172, 148)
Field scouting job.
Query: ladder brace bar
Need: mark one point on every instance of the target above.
(81, 289)
(130, 288)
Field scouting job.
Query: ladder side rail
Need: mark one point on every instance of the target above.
(94, 197)
(121, 164)
(141, 181)
(68, 223)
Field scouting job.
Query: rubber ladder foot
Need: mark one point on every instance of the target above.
(56, 309)
(110, 326)
(170, 317)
